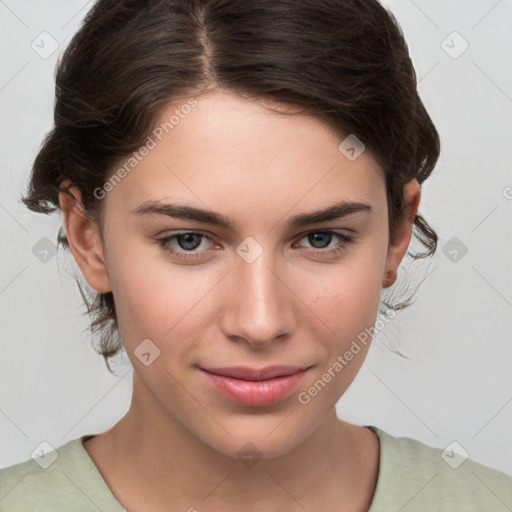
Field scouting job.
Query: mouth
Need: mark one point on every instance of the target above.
(255, 387)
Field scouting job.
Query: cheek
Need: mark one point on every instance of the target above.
(347, 303)
(348, 297)
(348, 307)
(157, 300)
(160, 300)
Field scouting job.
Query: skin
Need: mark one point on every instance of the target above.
(176, 448)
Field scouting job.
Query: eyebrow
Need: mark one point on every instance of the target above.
(336, 211)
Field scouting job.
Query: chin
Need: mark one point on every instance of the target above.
(250, 438)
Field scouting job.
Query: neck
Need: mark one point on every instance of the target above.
(150, 459)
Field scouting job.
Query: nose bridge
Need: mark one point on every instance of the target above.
(260, 307)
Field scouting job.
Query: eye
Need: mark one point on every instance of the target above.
(321, 242)
(190, 244)
(185, 243)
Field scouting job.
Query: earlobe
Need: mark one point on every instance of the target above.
(84, 239)
(399, 245)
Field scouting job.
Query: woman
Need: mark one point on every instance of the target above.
(238, 182)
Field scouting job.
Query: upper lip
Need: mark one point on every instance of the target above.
(255, 374)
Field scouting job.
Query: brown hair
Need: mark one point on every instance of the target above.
(344, 61)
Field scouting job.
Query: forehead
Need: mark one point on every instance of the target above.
(227, 149)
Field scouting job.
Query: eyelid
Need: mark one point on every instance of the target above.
(340, 231)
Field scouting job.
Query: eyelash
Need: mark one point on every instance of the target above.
(344, 241)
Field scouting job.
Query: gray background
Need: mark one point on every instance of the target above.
(457, 384)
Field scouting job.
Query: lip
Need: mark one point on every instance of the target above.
(255, 387)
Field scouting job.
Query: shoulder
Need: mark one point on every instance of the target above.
(423, 478)
(62, 480)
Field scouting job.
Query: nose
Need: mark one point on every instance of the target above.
(260, 307)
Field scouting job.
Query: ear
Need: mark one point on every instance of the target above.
(84, 238)
(398, 247)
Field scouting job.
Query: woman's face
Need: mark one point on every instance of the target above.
(265, 290)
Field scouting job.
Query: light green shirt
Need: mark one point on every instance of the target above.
(413, 477)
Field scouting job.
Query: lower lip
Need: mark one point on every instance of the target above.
(255, 393)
